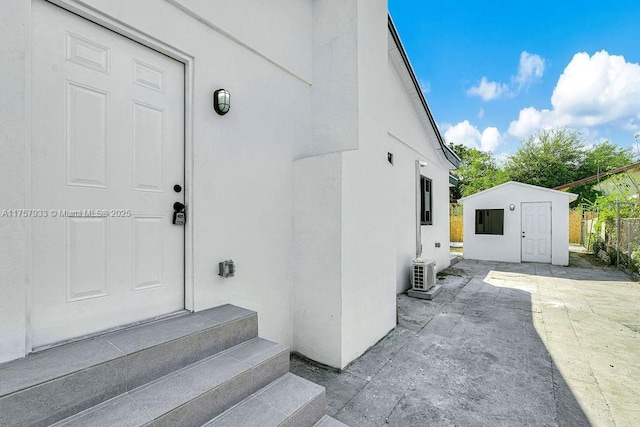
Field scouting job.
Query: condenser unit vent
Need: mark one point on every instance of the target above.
(423, 274)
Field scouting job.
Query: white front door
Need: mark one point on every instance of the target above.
(107, 151)
(536, 232)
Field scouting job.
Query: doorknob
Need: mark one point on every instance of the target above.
(177, 206)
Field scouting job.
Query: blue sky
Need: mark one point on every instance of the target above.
(494, 72)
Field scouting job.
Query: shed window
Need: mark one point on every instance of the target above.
(426, 215)
(490, 221)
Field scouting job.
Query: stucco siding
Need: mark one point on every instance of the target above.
(14, 175)
(242, 175)
(409, 140)
(293, 184)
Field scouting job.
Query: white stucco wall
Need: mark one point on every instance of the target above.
(334, 92)
(242, 188)
(250, 21)
(507, 247)
(368, 219)
(409, 140)
(293, 184)
(351, 38)
(243, 173)
(14, 176)
(378, 199)
(405, 206)
(439, 231)
(318, 258)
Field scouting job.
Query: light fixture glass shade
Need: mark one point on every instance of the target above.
(221, 101)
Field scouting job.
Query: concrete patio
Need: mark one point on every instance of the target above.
(502, 344)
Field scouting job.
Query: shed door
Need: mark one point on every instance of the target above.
(107, 150)
(536, 232)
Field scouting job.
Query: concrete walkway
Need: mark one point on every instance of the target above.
(503, 344)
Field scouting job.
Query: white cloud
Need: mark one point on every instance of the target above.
(463, 133)
(481, 113)
(529, 121)
(598, 89)
(530, 69)
(469, 135)
(488, 90)
(592, 91)
(490, 139)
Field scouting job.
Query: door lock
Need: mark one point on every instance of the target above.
(179, 215)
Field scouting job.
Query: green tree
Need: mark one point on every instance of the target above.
(478, 171)
(548, 158)
(558, 156)
(604, 157)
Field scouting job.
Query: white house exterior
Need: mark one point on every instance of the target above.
(107, 107)
(516, 222)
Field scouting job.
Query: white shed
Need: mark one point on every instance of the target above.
(516, 222)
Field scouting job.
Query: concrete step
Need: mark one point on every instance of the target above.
(193, 395)
(328, 421)
(289, 401)
(54, 384)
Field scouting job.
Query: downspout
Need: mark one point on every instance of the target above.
(418, 213)
(419, 164)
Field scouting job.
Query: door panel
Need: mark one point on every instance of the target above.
(87, 135)
(107, 149)
(536, 232)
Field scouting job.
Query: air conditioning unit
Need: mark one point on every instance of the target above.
(423, 274)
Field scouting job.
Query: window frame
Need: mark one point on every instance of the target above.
(426, 215)
(484, 218)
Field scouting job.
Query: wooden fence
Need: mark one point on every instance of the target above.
(575, 226)
(455, 228)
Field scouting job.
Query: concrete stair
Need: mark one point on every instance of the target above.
(207, 368)
(288, 401)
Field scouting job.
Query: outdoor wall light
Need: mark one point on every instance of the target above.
(221, 101)
(512, 207)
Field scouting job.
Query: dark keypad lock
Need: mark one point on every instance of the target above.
(179, 215)
(179, 218)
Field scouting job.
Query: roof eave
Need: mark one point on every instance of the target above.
(448, 154)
